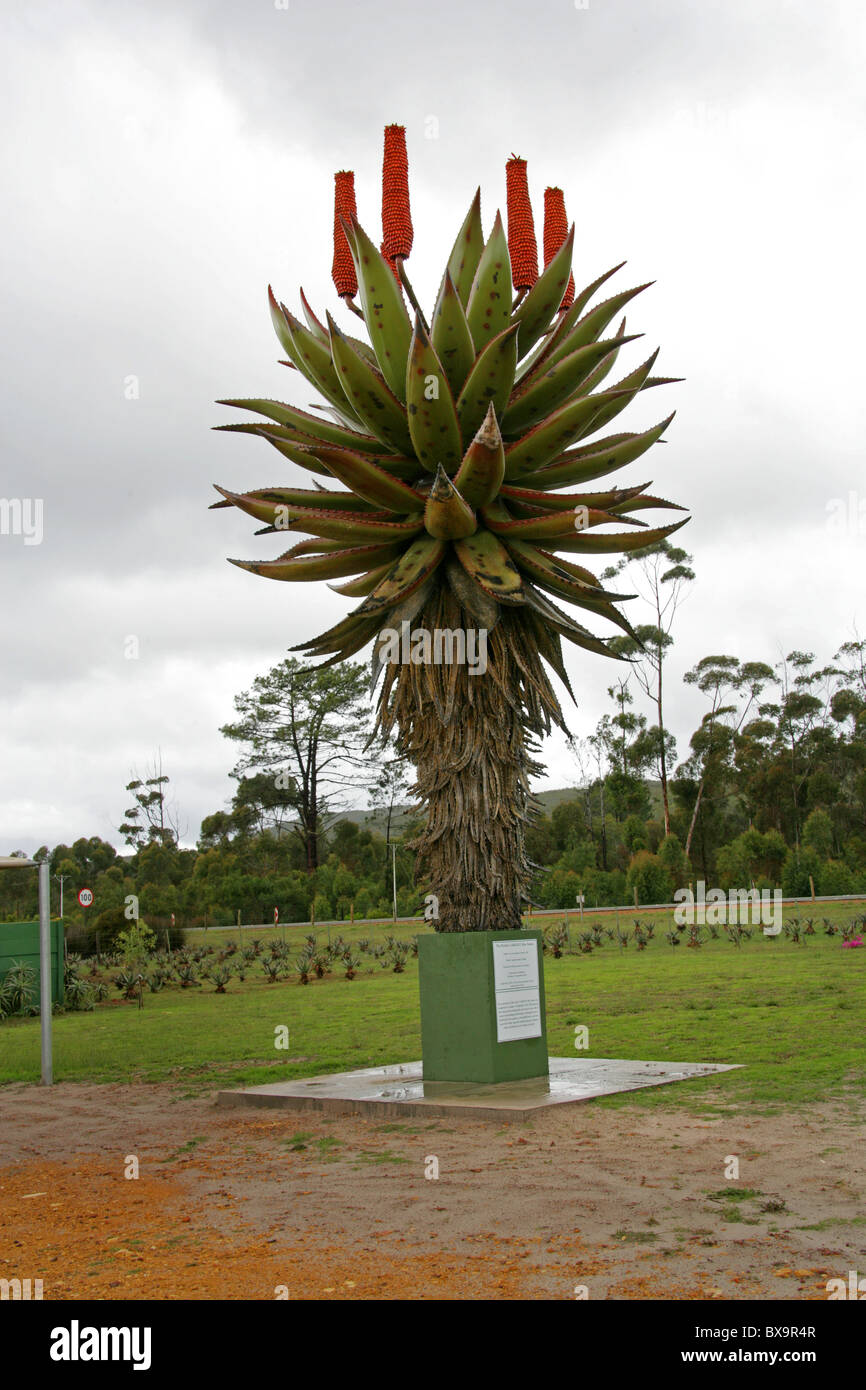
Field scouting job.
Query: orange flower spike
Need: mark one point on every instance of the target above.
(396, 217)
(555, 232)
(522, 246)
(343, 268)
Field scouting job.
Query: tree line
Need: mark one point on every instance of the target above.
(770, 793)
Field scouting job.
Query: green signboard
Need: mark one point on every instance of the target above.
(19, 945)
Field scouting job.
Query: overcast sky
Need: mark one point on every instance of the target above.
(162, 163)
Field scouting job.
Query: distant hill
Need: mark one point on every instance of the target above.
(549, 800)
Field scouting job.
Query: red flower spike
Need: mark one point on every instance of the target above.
(343, 268)
(555, 232)
(396, 217)
(522, 246)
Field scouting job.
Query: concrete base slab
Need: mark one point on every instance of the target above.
(401, 1089)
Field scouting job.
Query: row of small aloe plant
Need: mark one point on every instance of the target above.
(191, 968)
(557, 940)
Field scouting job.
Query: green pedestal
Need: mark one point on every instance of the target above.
(460, 1021)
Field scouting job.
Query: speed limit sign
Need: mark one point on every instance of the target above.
(85, 897)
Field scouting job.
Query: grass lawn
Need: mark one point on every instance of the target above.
(794, 1015)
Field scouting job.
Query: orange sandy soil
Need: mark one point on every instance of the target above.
(229, 1204)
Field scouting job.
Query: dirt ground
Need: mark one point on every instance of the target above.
(243, 1204)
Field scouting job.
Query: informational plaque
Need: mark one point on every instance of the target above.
(515, 980)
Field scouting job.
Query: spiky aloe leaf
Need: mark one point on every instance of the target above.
(484, 609)
(596, 459)
(637, 380)
(370, 481)
(447, 516)
(351, 527)
(644, 502)
(547, 390)
(403, 612)
(285, 446)
(588, 329)
(488, 563)
(489, 383)
(296, 497)
(581, 541)
(368, 394)
(314, 323)
(384, 310)
(414, 566)
(313, 359)
(450, 336)
(303, 427)
(566, 626)
(432, 416)
(489, 308)
(307, 456)
(335, 637)
(365, 583)
(331, 565)
(598, 374)
(280, 322)
(543, 443)
(466, 252)
(534, 498)
(566, 322)
(545, 570)
(549, 527)
(480, 475)
(356, 633)
(541, 303)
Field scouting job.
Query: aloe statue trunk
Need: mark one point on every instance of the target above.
(474, 788)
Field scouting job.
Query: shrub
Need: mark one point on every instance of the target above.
(648, 875)
(796, 870)
(17, 991)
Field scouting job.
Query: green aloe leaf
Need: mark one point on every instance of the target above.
(369, 481)
(480, 475)
(617, 541)
(414, 566)
(485, 559)
(541, 303)
(545, 570)
(548, 389)
(490, 382)
(597, 459)
(432, 417)
(566, 321)
(489, 308)
(368, 394)
(589, 328)
(466, 252)
(384, 310)
(451, 338)
(554, 434)
(308, 427)
(313, 359)
(332, 565)
(298, 497)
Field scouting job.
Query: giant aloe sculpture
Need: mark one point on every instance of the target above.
(453, 442)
